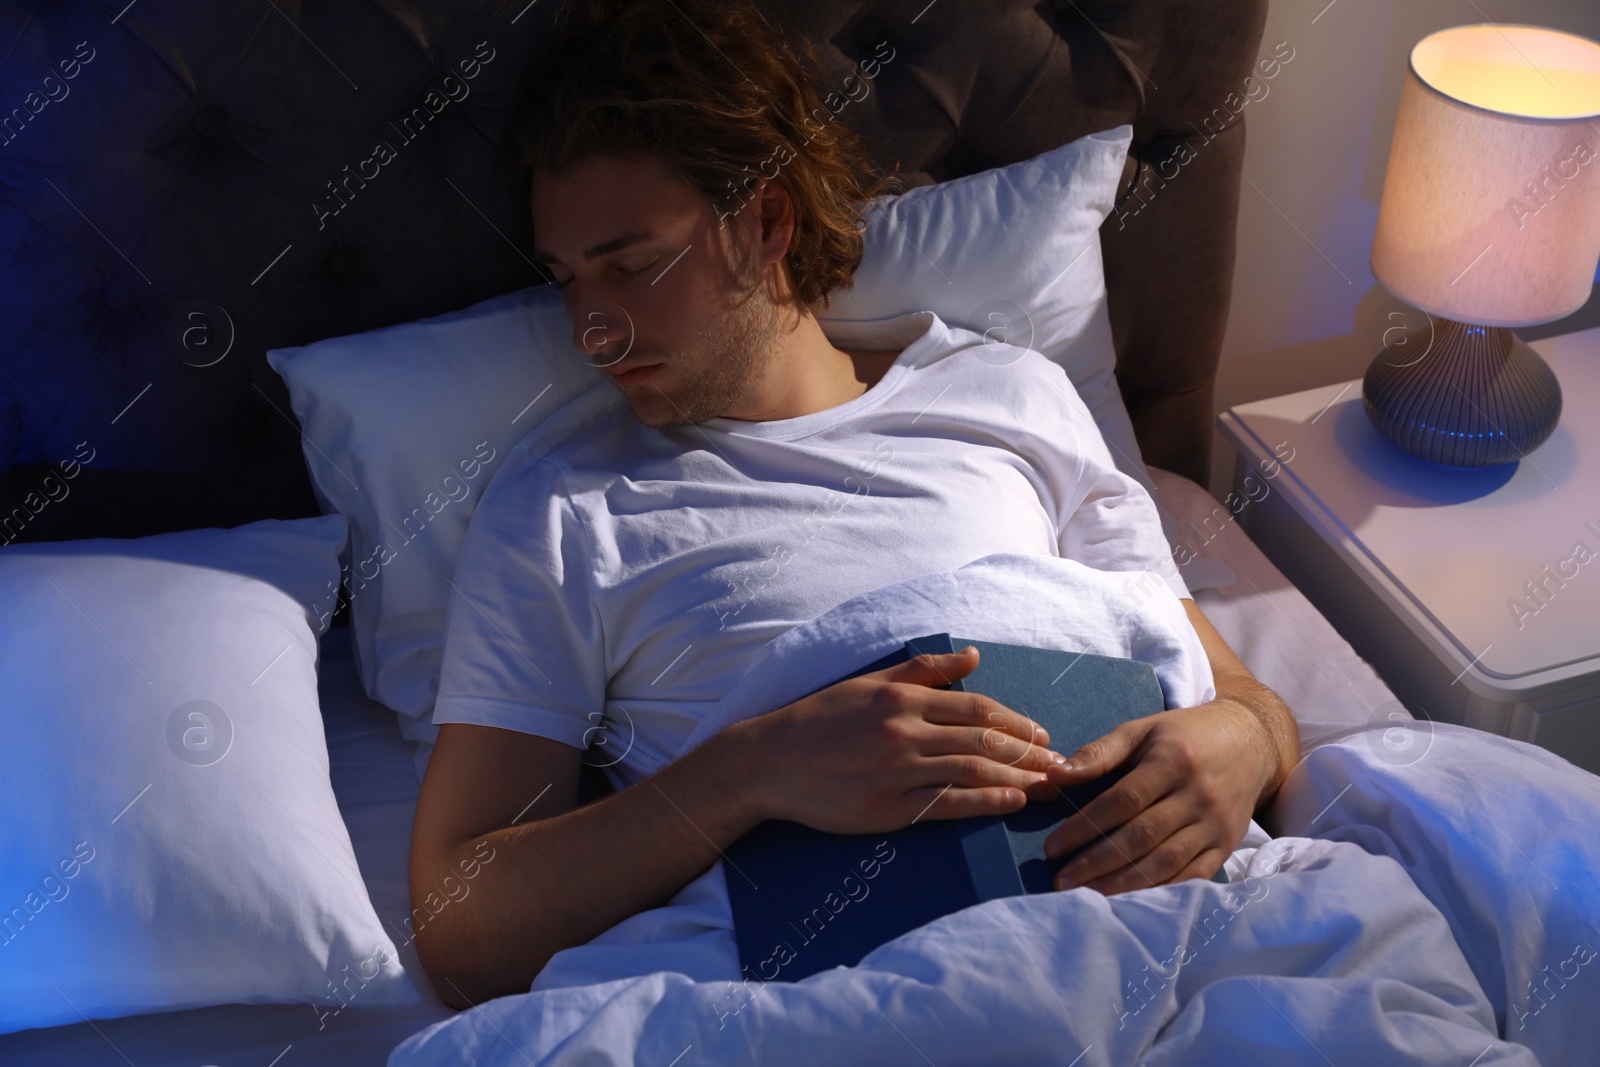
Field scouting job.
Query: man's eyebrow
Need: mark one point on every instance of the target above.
(604, 248)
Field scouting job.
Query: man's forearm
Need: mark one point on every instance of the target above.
(1281, 735)
(560, 881)
(1234, 683)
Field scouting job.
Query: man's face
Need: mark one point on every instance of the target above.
(649, 278)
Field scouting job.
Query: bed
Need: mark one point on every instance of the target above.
(218, 235)
(1271, 624)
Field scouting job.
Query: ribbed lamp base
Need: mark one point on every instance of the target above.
(1476, 397)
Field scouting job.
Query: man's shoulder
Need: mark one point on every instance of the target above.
(585, 422)
(999, 366)
(548, 451)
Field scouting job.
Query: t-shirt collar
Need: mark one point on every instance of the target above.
(918, 332)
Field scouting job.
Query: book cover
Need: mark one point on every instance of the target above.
(805, 900)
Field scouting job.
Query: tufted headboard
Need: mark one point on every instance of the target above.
(177, 200)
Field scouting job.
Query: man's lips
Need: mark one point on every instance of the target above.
(627, 374)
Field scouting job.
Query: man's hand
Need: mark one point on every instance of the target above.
(1198, 774)
(1180, 811)
(889, 748)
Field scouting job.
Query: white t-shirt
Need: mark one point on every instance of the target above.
(614, 583)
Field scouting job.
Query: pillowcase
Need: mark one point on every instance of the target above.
(1012, 253)
(402, 429)
(171, 837)
(404, 426)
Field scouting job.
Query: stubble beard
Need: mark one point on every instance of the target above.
(728, 363)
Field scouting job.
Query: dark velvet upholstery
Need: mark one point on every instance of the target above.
(169, 170)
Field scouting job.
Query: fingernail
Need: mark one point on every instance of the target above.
(1068, 765)
(1058, 759)
(1064, 881)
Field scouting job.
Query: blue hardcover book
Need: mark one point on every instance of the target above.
(805, 900)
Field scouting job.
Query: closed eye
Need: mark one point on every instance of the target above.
(620, 270)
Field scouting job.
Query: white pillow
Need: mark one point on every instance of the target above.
(389, 414)
(171, 839)
(403, 427)
(1012, 253)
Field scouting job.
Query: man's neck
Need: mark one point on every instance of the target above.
(806, 374)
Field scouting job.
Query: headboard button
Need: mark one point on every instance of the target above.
(211, 121)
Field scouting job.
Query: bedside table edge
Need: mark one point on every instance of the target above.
(1383, 585)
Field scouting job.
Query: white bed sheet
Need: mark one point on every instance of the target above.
(1277, 632)
(1282, 638)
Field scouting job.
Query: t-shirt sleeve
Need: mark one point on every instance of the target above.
(1105, 518)
(524, 648)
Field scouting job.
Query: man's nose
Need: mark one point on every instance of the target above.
(603, 333)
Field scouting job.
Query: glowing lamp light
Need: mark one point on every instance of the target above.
(1490, 219)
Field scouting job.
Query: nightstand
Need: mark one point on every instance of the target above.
(1475, 594)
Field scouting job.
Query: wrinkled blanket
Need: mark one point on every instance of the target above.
(1405, 921)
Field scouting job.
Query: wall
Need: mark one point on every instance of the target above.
(1318, 145)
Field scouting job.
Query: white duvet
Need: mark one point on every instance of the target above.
(1437, 897)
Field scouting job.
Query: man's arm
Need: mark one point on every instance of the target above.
(1198, 776)
(546, 874)
(1235, 683)
(506, 870)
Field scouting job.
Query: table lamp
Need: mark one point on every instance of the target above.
(1490, 219)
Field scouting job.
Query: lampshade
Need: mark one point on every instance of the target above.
(1491, 205)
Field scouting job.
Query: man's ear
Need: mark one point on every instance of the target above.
(775, 216)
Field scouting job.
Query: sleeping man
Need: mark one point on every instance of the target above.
(759, 474)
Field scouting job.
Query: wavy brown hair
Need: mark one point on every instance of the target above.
(712, 89)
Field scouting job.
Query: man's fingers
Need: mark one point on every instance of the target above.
(973, 771)
(1105, 753)
(1203, 865)
(975, 709)
(1112, 812)
(1159, 866)
(993, 744)
(1043, 793)
(1206, 864)
(933, 668)
(1138, 789)
(960, 802)
(938, 670)
(1129, 851)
